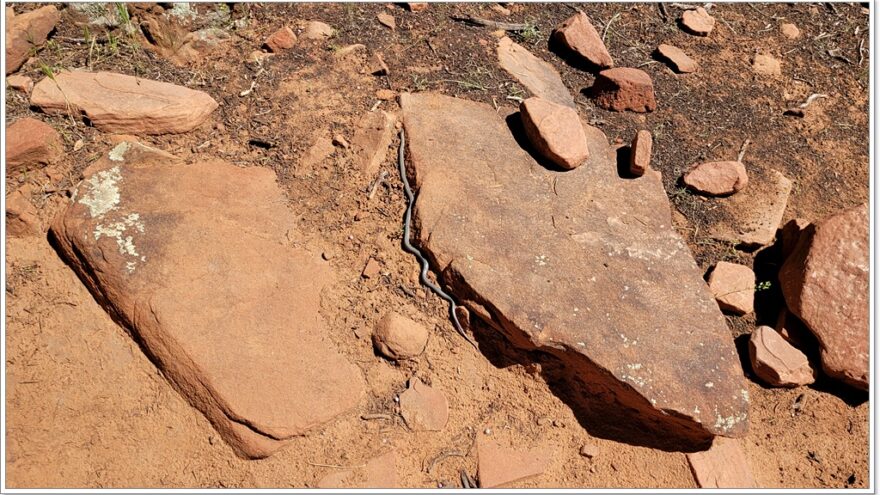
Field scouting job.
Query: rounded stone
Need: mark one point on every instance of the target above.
(398, 337)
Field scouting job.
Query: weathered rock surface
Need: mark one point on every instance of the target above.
(624, 88)
(21, 216)
(124, 104)
(423, 408)
(717, 178)
(640, 153)
(499, 465)
(536, 75)
(724, 465)
(777, 362)
(825, 284)
(31, 143)
(697, 21)
(677, 58)
(578, 35)
(555, 131)
(371, 140)
(27, 31)
(398, 337)
(570, 263)
(733, 286)
(195, 260)
(753, 215)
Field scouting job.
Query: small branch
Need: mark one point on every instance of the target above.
(507, 26)
(742, 150)
(608, 24)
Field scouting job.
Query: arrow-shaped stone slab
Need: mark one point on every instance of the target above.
(582, 264)
(198, 262)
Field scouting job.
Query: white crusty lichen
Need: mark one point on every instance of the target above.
(102, 194)
(117, 154)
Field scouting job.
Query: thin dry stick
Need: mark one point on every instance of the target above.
(742, 150)
(605, 31)
(507, 26)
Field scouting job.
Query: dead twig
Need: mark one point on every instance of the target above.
(376, 183)
(742, 150)
(799, 110)
(477, 21)
(608, 24)
(835, 53)
(443, 455)
(374, 416)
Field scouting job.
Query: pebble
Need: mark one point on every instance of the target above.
(555, 131)
(378, 67)
(624, 88)
(387, 20)
(589, 450)
(317, 30)
(766, 65)
(678, 60)
(371, 269)
(733, 286)
(578, 35)
(397, 337)
(417, 6)
(776, 361)
(717, 178)
(20, 83)
(640, 153)
(697, 21)
(339, 140)
(280, 40)
(790, 31)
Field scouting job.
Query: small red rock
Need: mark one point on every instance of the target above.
(21, 216)
(29, 143)
(624, 88)
(20, 83)
(589, 450)
(697, 21)
(777, 362)
(282, 39)
(640, 153)
(387, 20)
(424, 408)
(578, 34)
(417, 6)
(717, 178)
(724, 465)
(371, 269)
(499, 465)
(555, 131)
(317, 30)
(26, 31)
(733, 286)
(766, 65)
(790, 31)
(378, 67)
(398, 337)
(677, 58)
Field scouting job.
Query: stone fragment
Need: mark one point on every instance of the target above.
(697, 21)
(387, 20)
(790, 31)
(339, 140)
(766, 65)
(378, 67)
(423, 408)
(825, 284)
(752, 216)
(371, 140)
(21, 216)
(500, 9)
(371, 269)
(589, 450)
(578, 35)
(640, 153)
(25, 32)
(678, 60)
(124, 104)
(385, 94)
(31, 143)
(733, 286)
(416, 6)
(317, 30)
(499, 465)
(777, 362)
(717, 178)
(281, 40)
(555, 131)
(199, 262)
(20, 83)
(398, 337)
(724, 465)
(624, 88)
(568, 263)
(536, 75)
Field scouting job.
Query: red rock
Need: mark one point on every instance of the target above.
(733, 286)
(31, 143)
(697, 21)
(766, 65)
(640, 153)
(423, 408)
(378, 67)
(825, 284)
(578, 35)
(777, 362)
(790, 31)
(501, 10)
(387, 20)
(589, 450)
(555, 131)
(416, 6)
(500, 466)
(717, 178)
(317, 30)
(599, 283)
(21, 216)
(124, 104)
(539, 77)
(281, 40)
(371, 269)
(398, 337)
(724, 465)
(624, 88)
(753, 214)
(26, 32)
(678, 59)
(20, 83)
(199, 262)
(371, 140)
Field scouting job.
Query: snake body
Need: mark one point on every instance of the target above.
(423, 274)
